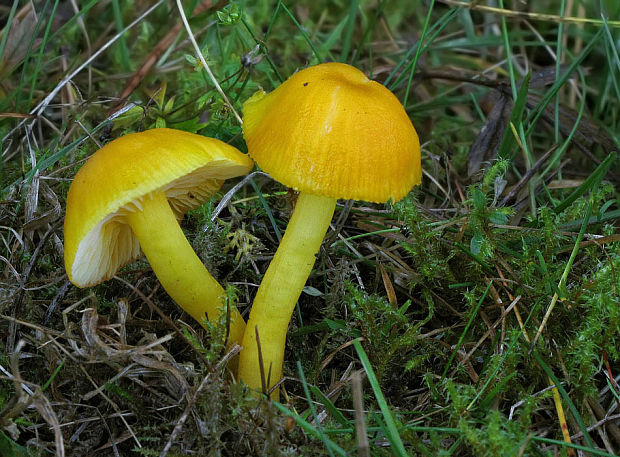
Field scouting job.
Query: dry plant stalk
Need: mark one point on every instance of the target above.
(363, 448)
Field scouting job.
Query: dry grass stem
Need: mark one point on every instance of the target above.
(363, 449)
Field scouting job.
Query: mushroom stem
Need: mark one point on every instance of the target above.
(176, 265)
(280, 288)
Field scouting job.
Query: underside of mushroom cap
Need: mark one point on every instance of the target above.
(330, 131)
(188, 168)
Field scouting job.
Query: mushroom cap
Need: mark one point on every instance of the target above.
(328, 130)
(188, 168)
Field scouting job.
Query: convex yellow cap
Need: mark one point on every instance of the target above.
(328, 130)
(188, 168)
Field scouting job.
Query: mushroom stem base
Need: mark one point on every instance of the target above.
(176, 265)
(280, 289)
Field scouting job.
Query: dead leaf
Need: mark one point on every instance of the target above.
(17, 43)
(389, 287)
(485, 146)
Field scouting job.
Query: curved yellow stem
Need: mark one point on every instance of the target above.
(177, 266)
(280, 288)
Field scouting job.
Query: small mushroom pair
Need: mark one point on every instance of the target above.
(328, 132)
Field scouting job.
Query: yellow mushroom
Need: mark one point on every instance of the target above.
(129, 196)
(328, 132)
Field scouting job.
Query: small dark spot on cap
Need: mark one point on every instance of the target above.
(305, 84)
(190, 195)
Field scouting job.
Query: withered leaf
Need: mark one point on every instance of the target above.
(485, 146)
(16, 48)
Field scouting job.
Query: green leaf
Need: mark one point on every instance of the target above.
(498, 217)
(336, 325)
(480, 200)
(192, 125)
(475, 245)
(229, 15)
(169, 105)
(312, 291)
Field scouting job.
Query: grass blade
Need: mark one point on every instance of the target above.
(302, 32)
(319, 429)
(418, 51)
(465, 330)
(392, 431)
(310, 429)
(506, 38)
(7, 28)
(37, 68)
(596, 176)
(435, 29)
(329, 406)
(346, 44)
(509, 141)
(122, 41)
(550, 94)
(567, 399)
(592, 451)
